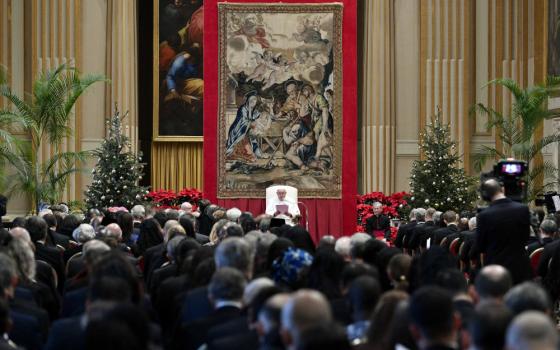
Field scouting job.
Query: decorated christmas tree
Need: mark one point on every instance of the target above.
(438, 180)
(117, 172)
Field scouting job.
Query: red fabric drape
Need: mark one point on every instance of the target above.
(326, 216)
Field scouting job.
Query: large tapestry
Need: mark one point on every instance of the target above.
(554, 37)
(178, 80)
(280, 99)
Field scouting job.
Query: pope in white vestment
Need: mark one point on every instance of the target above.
(277, 207)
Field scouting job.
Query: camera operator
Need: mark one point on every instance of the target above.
(503, 230)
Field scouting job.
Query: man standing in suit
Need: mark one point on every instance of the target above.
(379, 225)
(503, 230)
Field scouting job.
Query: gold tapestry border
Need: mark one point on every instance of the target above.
(336, 10)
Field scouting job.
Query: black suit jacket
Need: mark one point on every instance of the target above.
(195, 333)
(547, 254)
(536, 245)
(441, 233)
(403, 235)
(195, 306)
(202, 239)
(381, 222)
(154, 257)
(53, 257)
(502, 232)
(66, 334)
(25, 331)
(420, 234)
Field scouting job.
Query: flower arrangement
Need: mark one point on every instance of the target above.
(395, 206)
(167, 199)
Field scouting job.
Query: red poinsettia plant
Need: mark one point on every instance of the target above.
(167, 199)
(395, 206)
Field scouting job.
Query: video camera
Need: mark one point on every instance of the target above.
(510, 173)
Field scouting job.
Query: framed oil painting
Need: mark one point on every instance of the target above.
(280, 99)
(553, 58)
(177, 72)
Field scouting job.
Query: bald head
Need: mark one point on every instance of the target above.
(532, 330)
(21, 233)
(491, 190)
(493, 281)
(306, 308)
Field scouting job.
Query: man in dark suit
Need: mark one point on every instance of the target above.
(451, 231)
(547, 230)
(37, 228)
(503, 230)
(421, 233)
(225, 292)
(379, 225)
(3, 206)
(401, 241)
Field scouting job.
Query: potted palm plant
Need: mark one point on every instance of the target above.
(44, 117)
(516, 131)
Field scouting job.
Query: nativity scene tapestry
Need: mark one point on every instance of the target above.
(280, 99)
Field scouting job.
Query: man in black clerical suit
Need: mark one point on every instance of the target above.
(503, 230)
(379, 225)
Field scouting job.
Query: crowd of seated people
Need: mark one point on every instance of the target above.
(220, 278)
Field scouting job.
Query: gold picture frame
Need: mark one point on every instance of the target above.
(332, 182)
(156, 79)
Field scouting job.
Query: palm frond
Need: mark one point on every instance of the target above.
(483, 154)
(509, 84)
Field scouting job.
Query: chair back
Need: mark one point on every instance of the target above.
(72, 261)
(454, 246)
(535, 258)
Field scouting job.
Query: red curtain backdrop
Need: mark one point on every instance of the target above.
(326, 216)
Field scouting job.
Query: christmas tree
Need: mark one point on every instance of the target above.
(438, 180)
(117, 172)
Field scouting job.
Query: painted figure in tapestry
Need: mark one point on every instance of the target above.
(279, 120)
(180, 82)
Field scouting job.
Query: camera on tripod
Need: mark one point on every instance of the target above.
(511, 175)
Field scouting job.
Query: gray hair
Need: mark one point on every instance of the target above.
(113, 230)
(532, 330)
(420, 214)
(343, 246)
(549, 226)
(377, 204)
(227, 284)
(138, 211)
(83, 233)
(472, 223)
(254, 288)
(233, 214)
(24, 257)
(527, 296)
(172, 246)
(93, 250)
(235, 252)
(437, 217)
